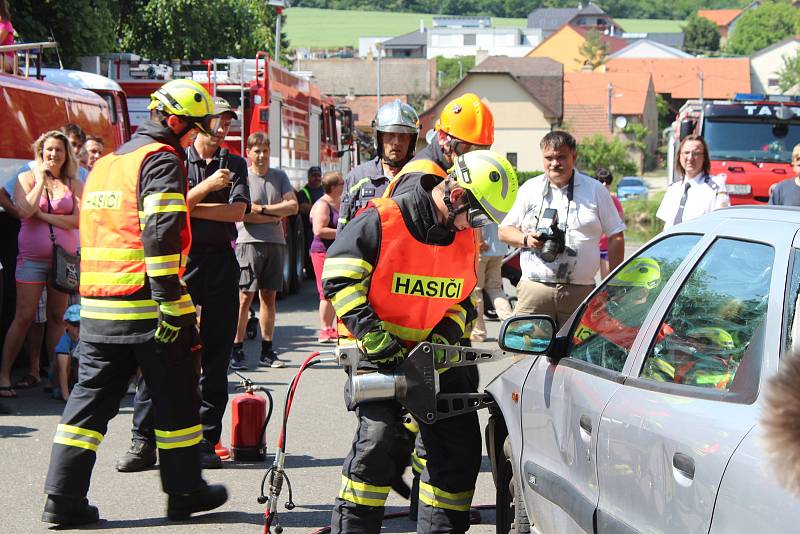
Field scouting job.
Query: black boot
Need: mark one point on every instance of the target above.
(62, 510)
(182, 505)
(139, 457)
(208, 456)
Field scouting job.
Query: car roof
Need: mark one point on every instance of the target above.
(765, 212)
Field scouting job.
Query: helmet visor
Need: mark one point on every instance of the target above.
(208, 124)
(462, 147)
(476, 216)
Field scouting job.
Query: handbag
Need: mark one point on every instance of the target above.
(65, 274)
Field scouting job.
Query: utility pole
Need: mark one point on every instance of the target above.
(702, 79)
(379, 48)
(610, 118)
(279, 6)
(460, 70)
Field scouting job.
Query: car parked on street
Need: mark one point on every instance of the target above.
(642, 413)
(631, 188)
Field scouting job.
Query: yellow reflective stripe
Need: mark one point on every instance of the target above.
(74, 436)
(418, 464)
(112, 279)
(176, 308)
(163, 203)
(174, 439)
(349, 298)
(356, 186)
(438, 498)
(163, 265)
(112, 254)
(365, 494)
(405, 333)
(458, 315)
(346, 267)
(81, 431)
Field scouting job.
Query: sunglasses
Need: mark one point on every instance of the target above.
(462, 147)
(207, 125)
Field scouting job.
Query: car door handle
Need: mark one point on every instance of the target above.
(586, 423)
(684, 464)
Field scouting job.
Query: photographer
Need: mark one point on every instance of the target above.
(557, 220)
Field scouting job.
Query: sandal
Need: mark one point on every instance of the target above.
(7, 392)
(28, 381)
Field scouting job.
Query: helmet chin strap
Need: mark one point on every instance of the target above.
(451, 212)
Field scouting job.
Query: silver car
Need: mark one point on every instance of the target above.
(642, 413)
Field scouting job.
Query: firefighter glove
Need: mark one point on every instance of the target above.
(382, 349)
(169, 326)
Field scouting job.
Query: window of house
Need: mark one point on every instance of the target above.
(512, 158)
(469, 39)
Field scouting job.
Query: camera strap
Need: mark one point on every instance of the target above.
(570, 195)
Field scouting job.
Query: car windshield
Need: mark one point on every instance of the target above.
(751, 141)
(630, 182)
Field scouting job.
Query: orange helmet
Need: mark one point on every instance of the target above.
(468, 119)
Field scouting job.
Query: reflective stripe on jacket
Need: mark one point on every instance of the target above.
(414, 284)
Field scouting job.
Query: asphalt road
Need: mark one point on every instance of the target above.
(318, 437)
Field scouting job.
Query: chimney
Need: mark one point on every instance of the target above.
(421, 26)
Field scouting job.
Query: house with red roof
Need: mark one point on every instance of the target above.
(565, 44)
(725, 19)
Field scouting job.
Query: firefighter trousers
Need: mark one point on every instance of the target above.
(447, 483)
(104, 372)
(212, 277)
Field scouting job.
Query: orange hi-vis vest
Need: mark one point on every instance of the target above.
(424, 166)
(113, 262)
(414, 284)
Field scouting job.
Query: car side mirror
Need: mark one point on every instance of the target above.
(527, 334)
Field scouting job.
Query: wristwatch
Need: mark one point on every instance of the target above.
(525, 241)
(263, 210)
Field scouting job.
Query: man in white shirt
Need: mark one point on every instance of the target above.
(558, 272)
(697, 193)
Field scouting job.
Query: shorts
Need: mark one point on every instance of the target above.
(261, 266)
(604, 255)
(318, 261)
(32, 271)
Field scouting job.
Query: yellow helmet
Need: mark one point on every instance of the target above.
(639, 272)
(491, 182)
(187, 99)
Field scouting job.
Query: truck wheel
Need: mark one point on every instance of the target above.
(511, 515)
(286, 269)
(299, 255)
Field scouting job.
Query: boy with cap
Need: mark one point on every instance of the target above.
(67, 373)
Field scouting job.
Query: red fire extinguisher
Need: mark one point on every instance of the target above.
(250, 417)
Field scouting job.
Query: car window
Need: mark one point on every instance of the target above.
(713, 329)
(627, 182)
(791, 340)
(604, 332)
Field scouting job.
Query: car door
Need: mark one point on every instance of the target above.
(562, 400)
(668, 433)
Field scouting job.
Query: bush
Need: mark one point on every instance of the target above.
(524, 176)
(597, 151)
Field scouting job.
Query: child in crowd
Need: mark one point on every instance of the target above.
(65, 353)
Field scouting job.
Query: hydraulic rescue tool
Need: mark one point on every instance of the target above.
(414, 383)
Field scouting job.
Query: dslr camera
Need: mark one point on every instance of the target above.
(552, 237)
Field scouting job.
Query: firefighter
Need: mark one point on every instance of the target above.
(402, 272)
(136, 311)
(396, 128)
(465, 124)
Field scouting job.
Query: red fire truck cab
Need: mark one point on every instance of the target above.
(750, 139)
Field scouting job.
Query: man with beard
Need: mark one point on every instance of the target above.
(396, 128)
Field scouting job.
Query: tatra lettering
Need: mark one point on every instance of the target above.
(427, 286)
(98, 200)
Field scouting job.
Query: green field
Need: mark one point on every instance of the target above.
(330, 28)
(651, 25)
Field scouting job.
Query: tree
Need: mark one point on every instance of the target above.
(700, 35)
(594, 51)
(789, 73)
(760, 27)
(597, 151)
(194, 29)
(81, 27)
(452, 69)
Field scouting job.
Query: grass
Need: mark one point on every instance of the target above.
(640, 218)
(334, 28)
(651, 25)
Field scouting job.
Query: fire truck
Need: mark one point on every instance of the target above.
(304, 126)
(750, 139)
(36, 100)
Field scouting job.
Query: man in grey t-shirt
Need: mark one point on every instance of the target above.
(787, 192)
(261, 246)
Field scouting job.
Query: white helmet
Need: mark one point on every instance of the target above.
(399, 118)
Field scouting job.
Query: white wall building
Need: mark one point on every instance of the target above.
(766, 63)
